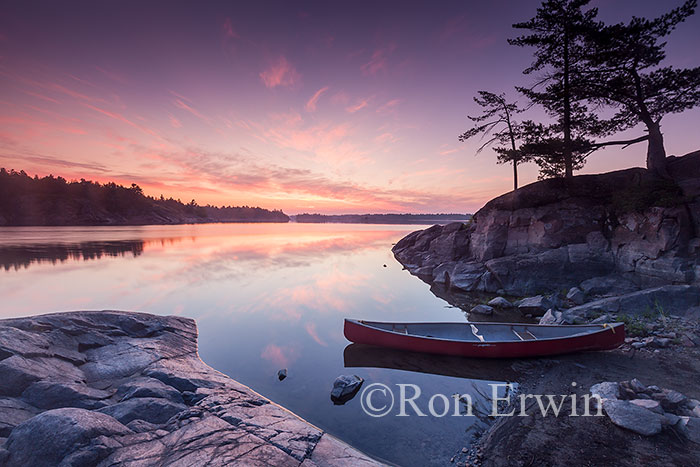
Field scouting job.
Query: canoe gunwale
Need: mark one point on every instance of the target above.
(603, 328)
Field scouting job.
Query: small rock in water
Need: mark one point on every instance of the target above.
(282, 374)
(482, 310)
(344, 388)
(500, 302)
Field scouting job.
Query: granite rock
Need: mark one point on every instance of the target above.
(112, 388)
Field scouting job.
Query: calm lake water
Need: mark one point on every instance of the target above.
(266, 297)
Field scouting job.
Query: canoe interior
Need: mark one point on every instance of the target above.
(486, 332)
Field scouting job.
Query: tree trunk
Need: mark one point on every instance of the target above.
(568, 157)
(515, 174)
(656, 154)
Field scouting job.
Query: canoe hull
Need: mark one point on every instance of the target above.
(606, 339)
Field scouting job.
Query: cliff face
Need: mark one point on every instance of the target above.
(619, 231)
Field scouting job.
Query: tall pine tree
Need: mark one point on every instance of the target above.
(558, 34)
(624, 72)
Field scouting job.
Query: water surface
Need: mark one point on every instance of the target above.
(265, 297)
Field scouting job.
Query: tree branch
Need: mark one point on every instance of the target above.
(624, 143)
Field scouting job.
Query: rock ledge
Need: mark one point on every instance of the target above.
(112, 388)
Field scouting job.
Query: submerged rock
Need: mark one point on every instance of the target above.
(282, 374)
(345, 387)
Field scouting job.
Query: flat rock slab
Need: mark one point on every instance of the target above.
(109, 388)
(632, 417)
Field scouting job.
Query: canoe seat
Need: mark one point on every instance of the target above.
(402, 329)
(524, 335)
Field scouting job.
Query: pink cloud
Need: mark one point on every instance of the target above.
(229, 32)
(280, 73)
(361, 104)
(281, 356)
(378, 62)
(311, 330)
(389, 107)
(122, 119)
(180, 104)
(174, 121)
(112, 75)
(386, 138)
(340, 98)
(41, 96)
(311, 104)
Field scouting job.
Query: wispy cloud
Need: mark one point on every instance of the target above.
(389, 107)
(228, 31)
(174, 122)
(359, 105)
(379, 61)
(280, 73)
(311, 103)
(181, 104)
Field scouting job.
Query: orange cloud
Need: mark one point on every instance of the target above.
(280, 73)
(311, 104)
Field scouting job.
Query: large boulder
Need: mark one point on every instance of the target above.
(558, 233)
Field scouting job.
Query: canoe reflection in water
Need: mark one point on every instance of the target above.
(479, 373)
(369, 356)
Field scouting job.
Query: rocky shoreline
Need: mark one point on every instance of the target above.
(114, 388)
(620, 246)
(620, 242)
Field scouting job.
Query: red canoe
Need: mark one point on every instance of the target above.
(486, 340)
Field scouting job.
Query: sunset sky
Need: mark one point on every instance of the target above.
(331, 107)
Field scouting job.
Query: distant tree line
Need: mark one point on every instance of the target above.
(593, 80)
(382, 218)
(50, 200)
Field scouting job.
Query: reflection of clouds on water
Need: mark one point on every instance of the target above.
(280, 355)
(220, 260)
(311, 331)
(326, 292)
